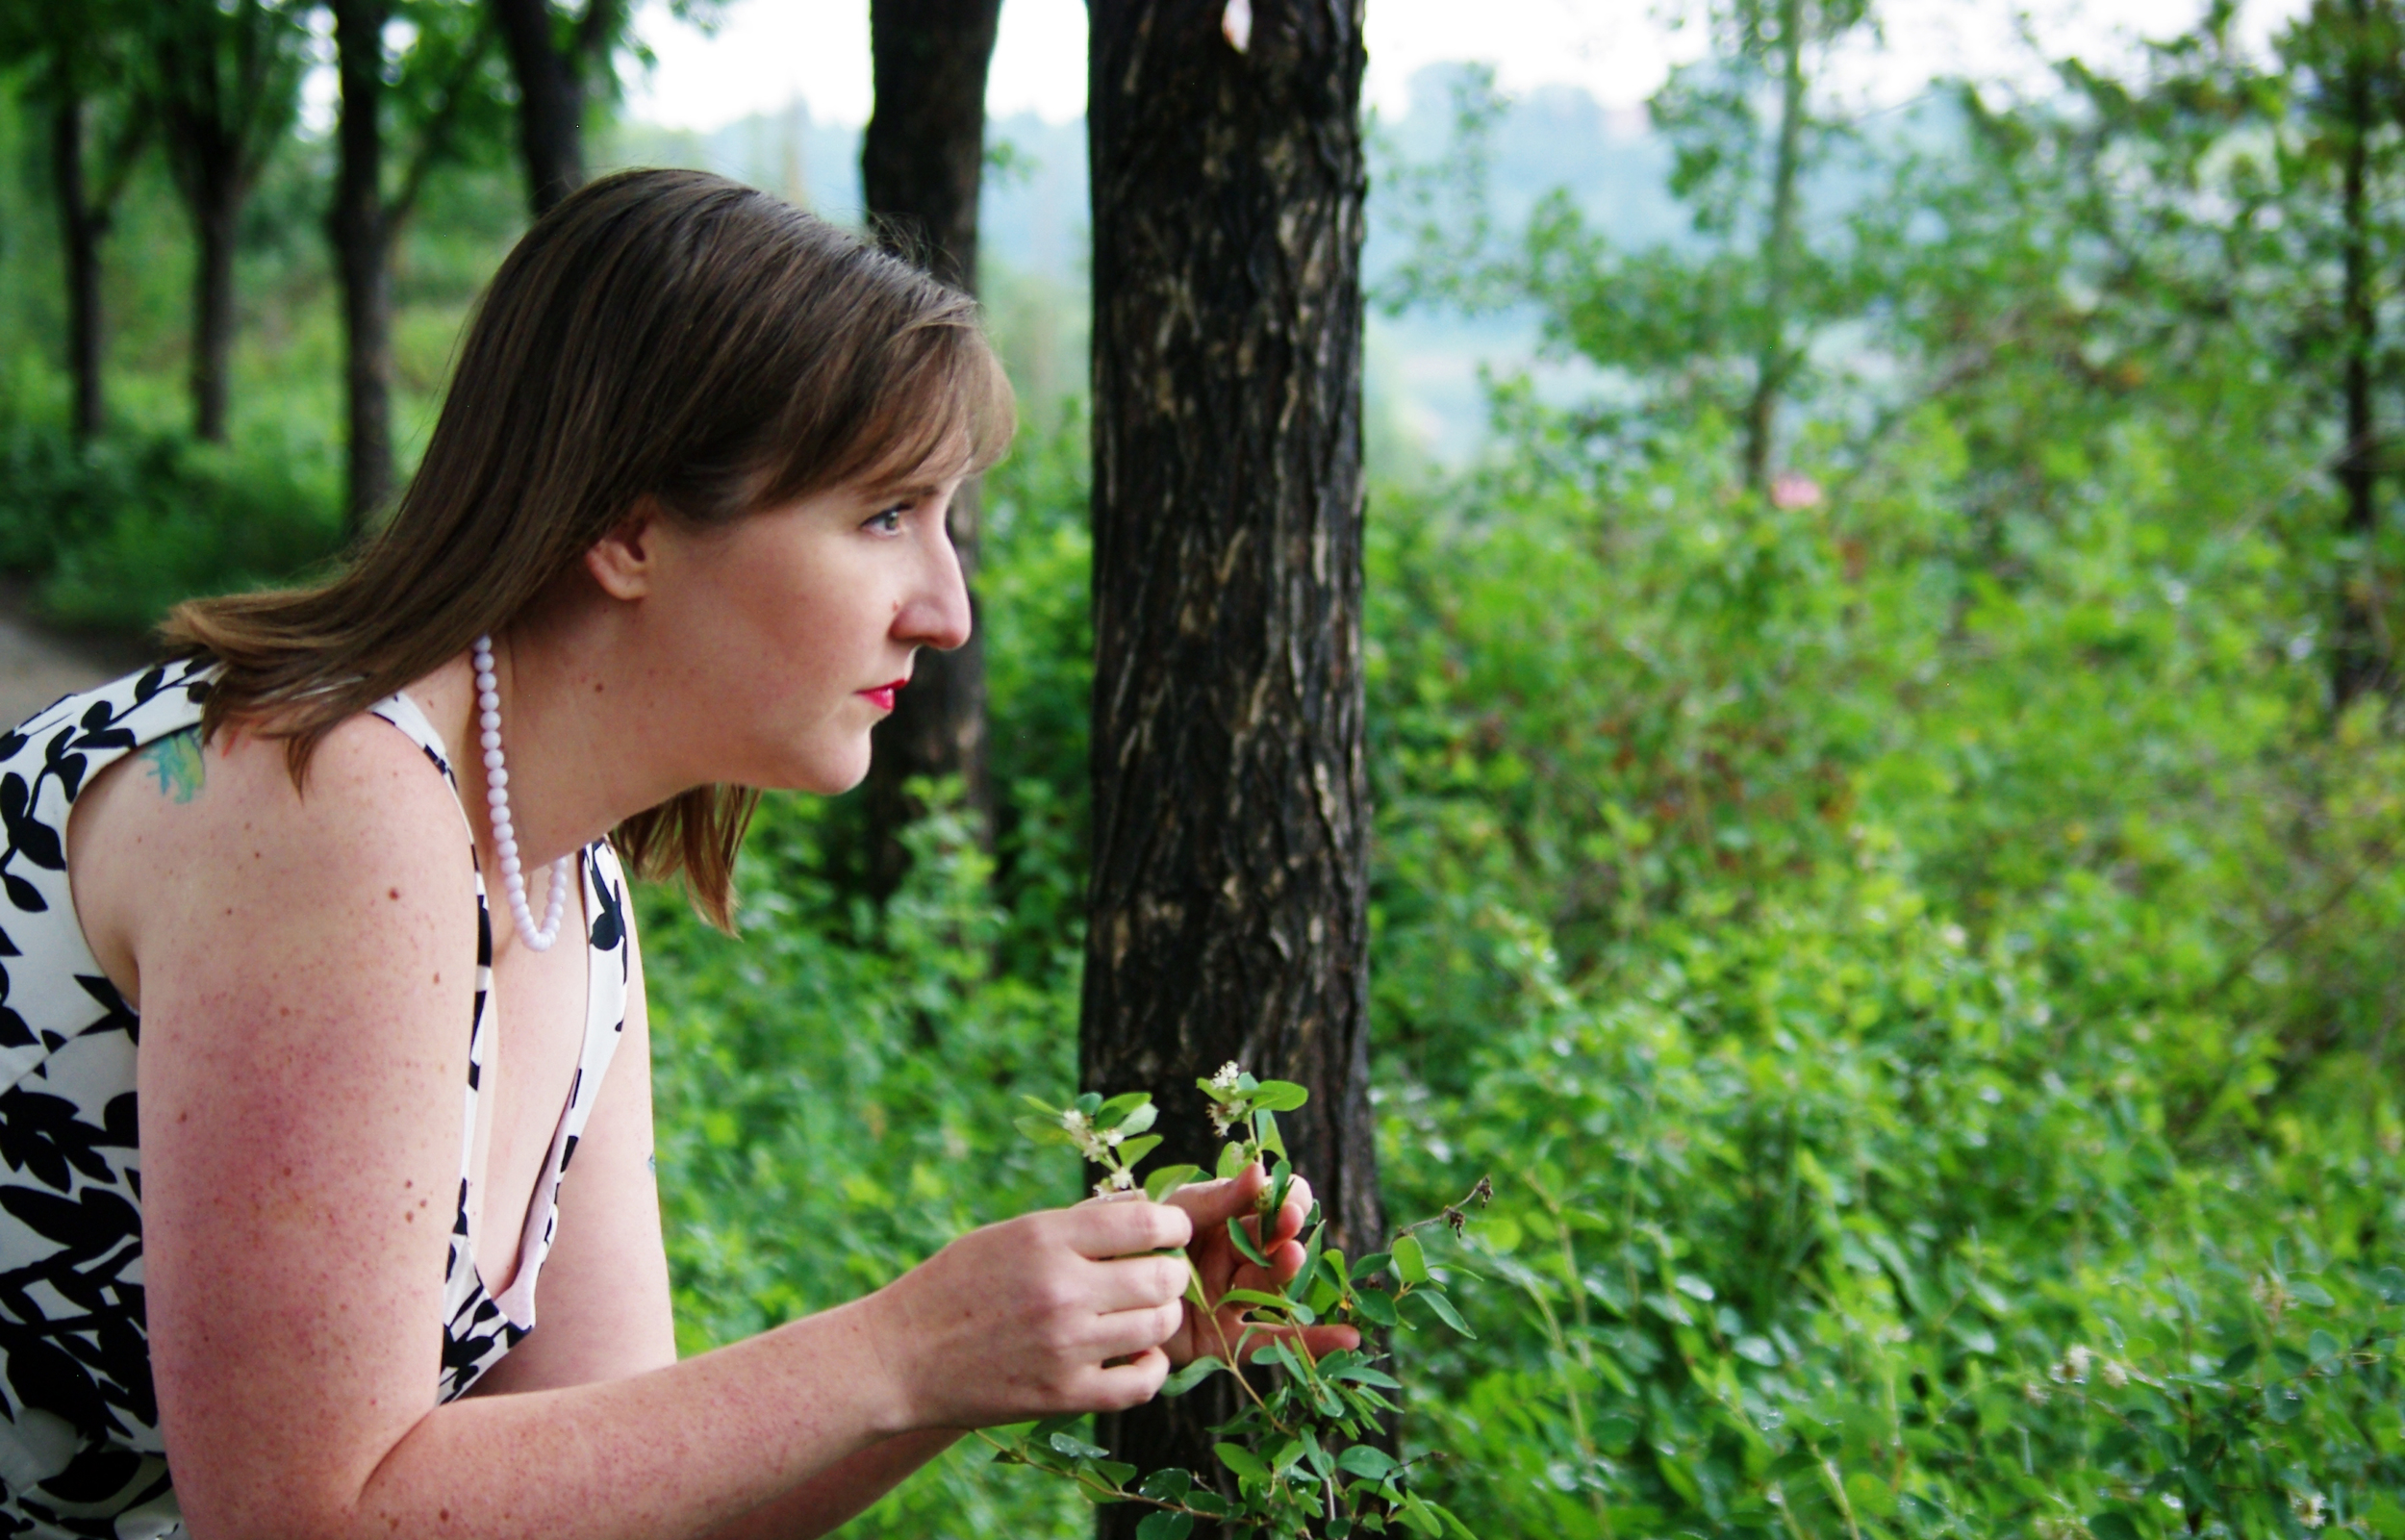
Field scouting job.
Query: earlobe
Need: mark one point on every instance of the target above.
(620, 561)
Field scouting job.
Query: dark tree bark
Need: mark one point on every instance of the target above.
(229, 79)
(923, 157)
(362, 247)
(80, 228)
(1227, 902)
(553, 84)
(213, 311)
(921, 163)
(2359, 659)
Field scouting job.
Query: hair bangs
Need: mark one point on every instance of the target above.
(935, 408)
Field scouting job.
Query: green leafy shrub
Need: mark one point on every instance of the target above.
(117, 532)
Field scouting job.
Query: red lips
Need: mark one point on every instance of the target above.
(882, 696)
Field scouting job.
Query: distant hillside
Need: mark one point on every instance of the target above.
(1424, 369)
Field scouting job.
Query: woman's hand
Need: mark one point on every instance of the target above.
(1209, 1205)
(1049, 1313)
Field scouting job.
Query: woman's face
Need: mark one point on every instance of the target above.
(788, 630)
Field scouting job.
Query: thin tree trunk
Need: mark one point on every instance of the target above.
(550, 97)
(1770, 365)
(359, 226)
(80, 228)
(2358, 660)
(922, 164)
(213, 222)
(1227, 901)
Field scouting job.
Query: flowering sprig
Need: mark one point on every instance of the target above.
(1299, 1453)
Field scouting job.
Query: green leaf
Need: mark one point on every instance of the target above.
(1372, 1264)
(1366, 1459)
(1411, 1262)
(2304, 1291)
(2237, 1363)
(1232, 1160)
(1443, 1306)
(1112, 1113)
(1168, 1179)
(2111, 1524)
(1278, 1096)
(1256, 1297)
(1318, 1456)
(1076, 1448)
(1265, 1134)
(1042, 1130)
(1374, 1305)
(1244, 1243)
(1135, 1149)
(1241, 1460)
(1191, 1375)
(1090, 1103)
(1461, 1531)
(1363, 1374)
(1168, 1485)
(1139, 1119)
(1280, 1183)
(1417, 1514)
(1043, 1107)
(1166, 1525)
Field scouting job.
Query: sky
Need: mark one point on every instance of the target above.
(767, 51)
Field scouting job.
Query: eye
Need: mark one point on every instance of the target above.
(889, 521)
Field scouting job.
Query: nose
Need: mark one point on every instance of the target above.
(935, 612)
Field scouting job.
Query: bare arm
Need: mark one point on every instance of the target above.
(305, 994)
(606, 1310)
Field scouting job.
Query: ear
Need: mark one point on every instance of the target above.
(621, 562)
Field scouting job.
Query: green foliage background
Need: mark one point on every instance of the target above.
(1916, 959)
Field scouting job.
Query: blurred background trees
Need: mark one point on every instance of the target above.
(1879, 725)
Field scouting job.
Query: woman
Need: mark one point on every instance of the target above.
(290, 1108)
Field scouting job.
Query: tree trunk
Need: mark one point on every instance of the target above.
(921, 163)
(1770, 365)
(550, 98)
(358, 225)
(80, 228)
(1227, 901)
(214, 219)
(2359, 659)
(923, 157)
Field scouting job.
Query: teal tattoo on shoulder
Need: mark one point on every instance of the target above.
(176, 760)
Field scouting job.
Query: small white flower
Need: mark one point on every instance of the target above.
(2075, 1363)
(1074, 1121)
(1117, 1181)
(1225, 1080)
(2310, 1510)
(2115, 1374)
(1114, 1138)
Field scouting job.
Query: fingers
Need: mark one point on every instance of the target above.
(1138, 1282)
(1127, 1228)
(1214, 1204)
(1126, 1333)
(1120, 1386)
(1318, 1341)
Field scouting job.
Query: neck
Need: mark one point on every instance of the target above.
(580, 729)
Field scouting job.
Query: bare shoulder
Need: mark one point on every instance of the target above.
(182, 847)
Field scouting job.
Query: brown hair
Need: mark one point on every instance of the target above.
(662, 334)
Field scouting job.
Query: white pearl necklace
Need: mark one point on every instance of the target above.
(496, 778)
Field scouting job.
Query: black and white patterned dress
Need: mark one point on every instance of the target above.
(80, 1451)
